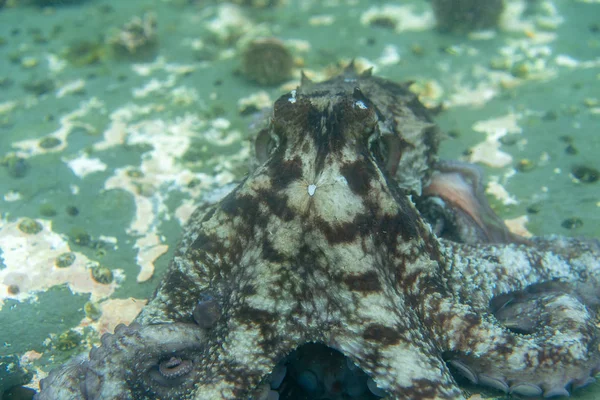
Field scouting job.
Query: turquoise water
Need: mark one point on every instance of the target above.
(105, 148)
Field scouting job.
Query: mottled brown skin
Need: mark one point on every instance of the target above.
(322, 243)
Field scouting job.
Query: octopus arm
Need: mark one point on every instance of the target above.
(455, 204)
(526, 321)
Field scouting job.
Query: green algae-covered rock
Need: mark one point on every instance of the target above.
(467, 15)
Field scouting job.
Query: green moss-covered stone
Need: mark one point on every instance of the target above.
(72, 211)
(30, 226)
(47, 210)
(572, 223)
(267, 61)
(68, 340)
(50, 142)
(65, 260)
(525, 165)
(92, 311)
(256, 3)
(467, 15)
(83, 53)
(53, 3)
(17, 167)
(136, 40)
(39, 87)
(585, 174)
(80, 237)
(102, 275)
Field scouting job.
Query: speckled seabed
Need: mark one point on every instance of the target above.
(104, 155)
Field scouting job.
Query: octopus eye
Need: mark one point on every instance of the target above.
(266, 142)
(387, 149)
(172, 371)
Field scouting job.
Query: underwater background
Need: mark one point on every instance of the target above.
(117, 117)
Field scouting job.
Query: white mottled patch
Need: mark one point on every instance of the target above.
(259, 100)
(115, 312)
(321, 20)
(12, 195)
(7, 107)
(360, 104)
(84, 165)
(389, 56)
(150, 248)
(55, 63)
(518, 226)
(74, 87)
(68, 122)
(475, 96)
(160, 64)
(154, 87)
(30, 259)
(229, 22)
(312, 189)
(495, 189)
(488, 152)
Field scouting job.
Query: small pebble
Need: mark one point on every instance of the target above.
(39, 87)
(572, 223)
(30, 226)
(80, 237)
(47, 210)
(68, 340)
(525, 165)
(585, 174)
(571, 150)
(550, 116)
(92, 311)
(13, 289)
(102, 275)
(65, 260)
(383, 21)
(17, 167)
(72, 211)
(49, 142)
(267, 61)
(520, 70)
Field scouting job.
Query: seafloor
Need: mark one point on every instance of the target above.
(110, 133)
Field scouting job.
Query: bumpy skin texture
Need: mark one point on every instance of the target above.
(322, 243)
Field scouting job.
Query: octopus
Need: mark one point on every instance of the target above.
(349, 242)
